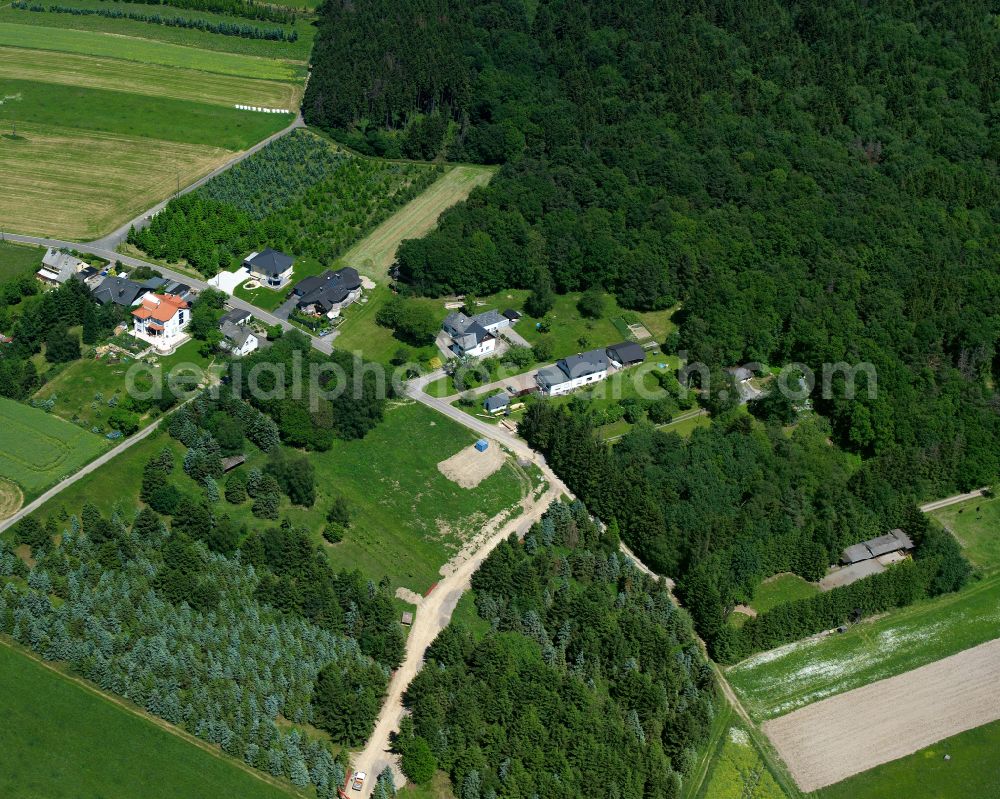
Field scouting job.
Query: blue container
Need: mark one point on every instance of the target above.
(482, 444)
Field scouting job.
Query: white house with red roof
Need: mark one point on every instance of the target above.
(160, 320)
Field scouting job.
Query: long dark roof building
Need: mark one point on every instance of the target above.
(327, 290)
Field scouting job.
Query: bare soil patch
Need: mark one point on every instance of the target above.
(831, 740)
(469, 467)
(11, 498)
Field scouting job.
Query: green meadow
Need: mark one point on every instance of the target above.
(976, 525)
(63, 740)
(17, 260)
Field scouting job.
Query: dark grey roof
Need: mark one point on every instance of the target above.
(496, 402)
(511, 314)
(180, 289)
(855, 554)
(236, 316)
(328, 289)
(627, 352)
(586, 363)
(237, 334)
(551, 376)
(892, 541)
(271, 262)
(154, 283)
(487, 318)
(118, 290)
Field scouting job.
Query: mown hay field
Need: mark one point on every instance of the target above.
(96, 72)
(38, 449)
(72, 184)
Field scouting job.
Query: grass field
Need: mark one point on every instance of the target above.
(17, 260)
(408, 519)
(359, 332)
(972, 770)
(375, 253)
(146, 51)
(780, 589)
(439, 788)
(38, 449)
(73, 184)
(177, 83)
(777, 682)
(738, 771)
(976, 525)
(62, 740)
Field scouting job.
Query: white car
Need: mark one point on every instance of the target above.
(359, 781)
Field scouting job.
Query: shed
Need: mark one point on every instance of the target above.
(407, 618)
(230, 463)
(482, 444)
(496, 403)
(511, 314)
(627, 353)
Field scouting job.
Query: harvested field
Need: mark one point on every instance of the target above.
(831, 740)
(75, 184)
(11, 498)
(146, 79)
(469, 467)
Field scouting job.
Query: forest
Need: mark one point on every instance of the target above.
(738, 502)
(814, 181)
(300, 194)
(587, 675)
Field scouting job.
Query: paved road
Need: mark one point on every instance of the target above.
(116, 237)
(944, 503)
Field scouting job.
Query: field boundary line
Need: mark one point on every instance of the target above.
(135, 710)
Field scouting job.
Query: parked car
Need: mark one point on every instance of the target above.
(359, 781)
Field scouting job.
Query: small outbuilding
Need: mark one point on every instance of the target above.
(511, 314)
(482, 445)
(628, 353)
(230, 463)
(496, 403)
(407, 619)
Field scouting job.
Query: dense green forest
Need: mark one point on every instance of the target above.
(815, 181)
(588, 676)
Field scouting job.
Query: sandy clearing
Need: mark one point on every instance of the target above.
(831, 740)
(469, 467)
(11, 498)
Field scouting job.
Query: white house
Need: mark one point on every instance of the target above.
(270, 267)
(474, 336)
(58, 267)
(160, 319)
(239, 339)
(572, 372)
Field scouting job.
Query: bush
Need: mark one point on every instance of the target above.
(236, 489)
(418, 761)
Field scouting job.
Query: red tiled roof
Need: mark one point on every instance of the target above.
(161, 307)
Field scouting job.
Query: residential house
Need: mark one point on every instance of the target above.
(160, 319)
(742, 375)
(58, 267)
(474, 336)
(270, 267)
(238, 338)
(118, 290)
(572, 372)
(496, 403)
(327, 294)
(628, 353)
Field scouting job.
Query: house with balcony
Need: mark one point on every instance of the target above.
(573, 372)
(160, 320)
(327, 294)
(271, 267)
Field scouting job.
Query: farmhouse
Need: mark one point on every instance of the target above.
(473, 336)
(118, 290)
(58, 267)
(270, 267)
(327, 294)
(893, 541)
(742, 375)
(238, 338)
(628, 353)
(572, 372)
(160, 319)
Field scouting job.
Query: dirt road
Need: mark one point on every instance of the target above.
(432, 616)
(944, 503)
(830, 740)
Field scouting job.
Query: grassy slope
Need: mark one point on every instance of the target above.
(777, 682)
(145, 79)
(38, 449)
(203, 40)
(17, 260)
(81, 744)
(973, 770)
(390, 478)
(738, 771)
(780, 589)
(359, 331)
(146, 51)
(139, 115)
(976, 524)
(375, 253)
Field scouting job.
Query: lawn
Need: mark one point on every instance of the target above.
(973, 770)
(776, 682)
(376, 252)
(156, 80)
(780, 589)
(38, 449)
(137, 115)
(359, 332)
(17, 260)
(976, 524)
(408, 519)
(147, 51)
(63, 740)
(297, 51)
(74, 184)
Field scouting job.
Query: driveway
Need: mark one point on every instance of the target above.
(284, 310)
